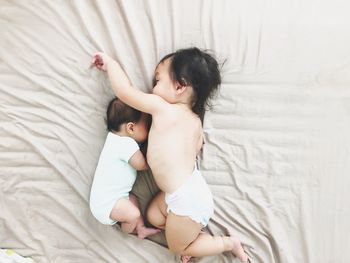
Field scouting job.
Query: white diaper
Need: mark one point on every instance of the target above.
(192, 199)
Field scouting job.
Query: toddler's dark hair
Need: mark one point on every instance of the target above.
(118, 113)
(199, 69)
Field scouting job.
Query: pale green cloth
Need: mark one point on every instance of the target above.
(9, 256)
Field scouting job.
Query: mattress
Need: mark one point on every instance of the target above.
(277, 145)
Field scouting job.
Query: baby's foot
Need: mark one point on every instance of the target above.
(238, 250)
(144, 232)
(185, 259)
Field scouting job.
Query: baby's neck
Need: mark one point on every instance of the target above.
(120, 133)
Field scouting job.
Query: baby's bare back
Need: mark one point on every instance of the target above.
(174, 141)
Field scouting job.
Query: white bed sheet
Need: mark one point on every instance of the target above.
(277, 152)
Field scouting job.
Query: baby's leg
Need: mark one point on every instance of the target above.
(127, 212)
(156, 212)
(141, 230)
(188, 239)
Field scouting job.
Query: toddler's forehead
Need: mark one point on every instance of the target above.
(163, 67)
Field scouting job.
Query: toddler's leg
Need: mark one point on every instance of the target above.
(157, 215)
(188, 239)
(206, 245)
(156, 212)
(180, 232)
(141, 230)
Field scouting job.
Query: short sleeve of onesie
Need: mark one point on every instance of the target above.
(127, 148)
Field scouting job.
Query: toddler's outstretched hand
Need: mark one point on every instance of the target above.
(100, 60)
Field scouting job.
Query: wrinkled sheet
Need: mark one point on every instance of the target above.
(277, 151)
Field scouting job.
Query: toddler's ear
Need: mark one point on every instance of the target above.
(181, 88)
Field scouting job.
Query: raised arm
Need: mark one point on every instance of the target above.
(123, 88)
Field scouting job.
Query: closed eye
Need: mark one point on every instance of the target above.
(154, 82)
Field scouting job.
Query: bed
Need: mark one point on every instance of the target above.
(277, 145)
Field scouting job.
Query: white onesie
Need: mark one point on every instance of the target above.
(114, 176)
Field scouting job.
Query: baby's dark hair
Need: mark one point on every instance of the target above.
(118, 113)
(199, 69)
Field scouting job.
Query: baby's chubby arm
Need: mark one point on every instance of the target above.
(138, 161)
(123, 88)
